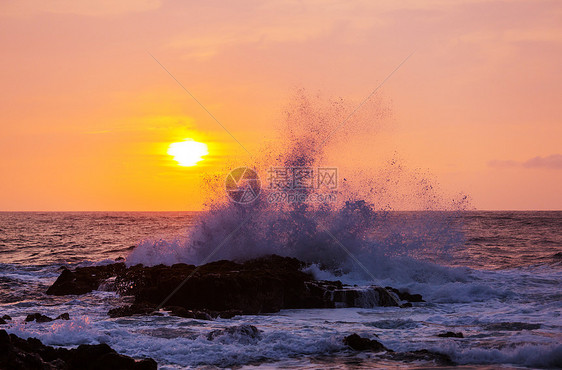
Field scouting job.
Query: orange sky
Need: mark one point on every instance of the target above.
(86, 114)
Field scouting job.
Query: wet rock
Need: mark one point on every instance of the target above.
(374, 296)
(101, 356)
(37, 317)
(191, 314)
(451, 334)
(7, 318)
(130, 310)
(406, 296)
(262, 285)
(2, 321)
(229, 314)
(83, 279)
(150, 309)
(64, 316)
(17, 353)
(363, 344)
(221, 288)
(244, 334)
(265, 285)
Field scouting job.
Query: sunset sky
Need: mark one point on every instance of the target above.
(87, 114)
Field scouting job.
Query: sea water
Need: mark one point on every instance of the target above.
(499, 283)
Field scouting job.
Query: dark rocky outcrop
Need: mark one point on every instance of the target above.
(451, 334)
(244, 334)
(222, 288)
(18, 353)
(134, 309)
(37, 317)
(406, 296)
(192, 314)
(150, 309)
(83, 279)
(358, 343)
(64, 316)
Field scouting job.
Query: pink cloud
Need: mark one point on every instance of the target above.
(553, 161)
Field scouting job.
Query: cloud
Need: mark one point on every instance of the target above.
(553, 161)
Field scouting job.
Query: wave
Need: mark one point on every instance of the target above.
(361, 225)
(531, 355)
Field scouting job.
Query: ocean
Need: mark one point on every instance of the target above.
(494, 276)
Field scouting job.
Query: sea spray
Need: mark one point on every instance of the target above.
(361, 221)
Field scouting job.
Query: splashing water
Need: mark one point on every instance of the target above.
(362, 221)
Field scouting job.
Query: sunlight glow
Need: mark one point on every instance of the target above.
(187, 153)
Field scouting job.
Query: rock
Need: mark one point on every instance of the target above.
(17, 353)
(363, 344)
(64, 316)
(83, 279)
(7, 318)
(406, 296)
(258, 286)
(134, 309)
(451, 334)
(373, 296)
(191, 314)
(2, 321)
(37, 317)
(252, 287)
(229, 314)
(150, 309)
(221, 288)
(244, 334)
(101, 356)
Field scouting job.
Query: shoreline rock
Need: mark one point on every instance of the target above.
(406, 296)
(18, 353)
(83, 279)
(37, 317)
(358, 343)
(223, 288)
(451, 334)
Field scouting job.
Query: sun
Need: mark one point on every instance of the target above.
(187, 153)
